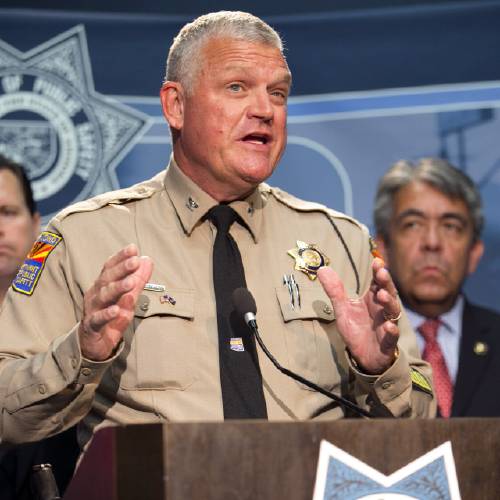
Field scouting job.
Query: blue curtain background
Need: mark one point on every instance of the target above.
(370, 87)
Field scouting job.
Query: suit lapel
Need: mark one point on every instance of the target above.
(472, 367)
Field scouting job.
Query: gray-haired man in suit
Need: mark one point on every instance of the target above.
(428, 218)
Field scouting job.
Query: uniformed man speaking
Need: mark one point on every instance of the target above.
(122, 311)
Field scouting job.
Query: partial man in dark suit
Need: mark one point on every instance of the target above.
(19, 227)
(428, 218)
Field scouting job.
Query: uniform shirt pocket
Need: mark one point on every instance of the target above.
(161, 346)
(307, 328)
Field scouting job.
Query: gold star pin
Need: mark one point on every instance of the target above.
(308, 258)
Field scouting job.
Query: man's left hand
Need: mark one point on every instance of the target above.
(367, 325)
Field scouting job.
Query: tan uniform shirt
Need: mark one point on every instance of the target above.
(167, 367)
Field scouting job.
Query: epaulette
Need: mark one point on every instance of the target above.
(305, 206)
(136, 192)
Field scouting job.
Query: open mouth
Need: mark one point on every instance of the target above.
(257, 138)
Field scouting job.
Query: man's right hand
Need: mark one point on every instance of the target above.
(109, 304)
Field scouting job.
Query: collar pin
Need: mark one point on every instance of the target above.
(191, 204)
(481, 348)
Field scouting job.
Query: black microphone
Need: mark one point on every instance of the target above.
(245, 305)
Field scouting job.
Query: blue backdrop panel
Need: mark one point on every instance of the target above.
(78, 104)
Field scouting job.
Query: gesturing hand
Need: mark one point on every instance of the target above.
(110, 302)
(370, 337)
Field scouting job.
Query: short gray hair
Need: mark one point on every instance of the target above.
(436, 172)
(183, 60)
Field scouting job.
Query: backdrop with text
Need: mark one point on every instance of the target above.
(79, 104)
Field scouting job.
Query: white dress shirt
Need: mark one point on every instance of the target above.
(449, 334)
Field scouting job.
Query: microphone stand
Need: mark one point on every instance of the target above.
(338, 399)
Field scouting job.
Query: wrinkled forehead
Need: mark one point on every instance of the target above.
(222, 52)
(424, 197)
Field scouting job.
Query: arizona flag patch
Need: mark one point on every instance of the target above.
(29, 273)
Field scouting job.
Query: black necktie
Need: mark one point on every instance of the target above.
(241, 380)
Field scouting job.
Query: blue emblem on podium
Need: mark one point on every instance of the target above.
(340, 476)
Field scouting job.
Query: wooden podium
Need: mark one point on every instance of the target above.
(257, 460)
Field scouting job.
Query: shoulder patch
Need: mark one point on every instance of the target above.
(29, 273)
(420, 382)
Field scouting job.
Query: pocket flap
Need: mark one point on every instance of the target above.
(314, 304)
(174, 302)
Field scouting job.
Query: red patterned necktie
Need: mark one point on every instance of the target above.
(433, 355)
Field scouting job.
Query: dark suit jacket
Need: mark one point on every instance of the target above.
(477, 387)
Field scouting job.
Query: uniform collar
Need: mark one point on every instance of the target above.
(191, 203)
